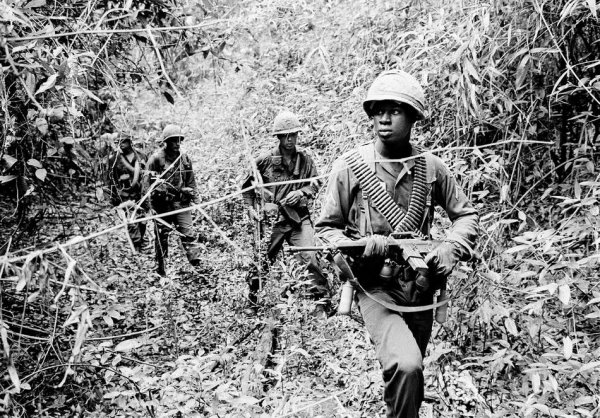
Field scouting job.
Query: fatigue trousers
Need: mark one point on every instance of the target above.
(137, 232)
(299, 236)
(183, 224)
(400, 343)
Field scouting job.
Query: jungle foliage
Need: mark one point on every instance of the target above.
(514, 98)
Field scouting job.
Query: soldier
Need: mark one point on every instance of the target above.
(175, 189)
(125, 175)
(414, 181)
(293, 223)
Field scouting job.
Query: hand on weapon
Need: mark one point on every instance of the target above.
(376, 246)
(292, 198)
(442, 259)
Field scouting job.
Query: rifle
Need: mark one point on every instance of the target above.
(411, 251)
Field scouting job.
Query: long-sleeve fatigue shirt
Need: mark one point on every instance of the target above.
(272, 169)
(176, 176)
(342, 215)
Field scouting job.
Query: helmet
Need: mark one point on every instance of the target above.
(399, 86)
(121, 137)
(286, 122)
(172, 131)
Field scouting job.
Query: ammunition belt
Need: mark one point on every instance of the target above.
(383, 202)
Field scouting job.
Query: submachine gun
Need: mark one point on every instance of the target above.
(411, 251)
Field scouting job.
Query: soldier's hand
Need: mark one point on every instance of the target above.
(442, 259)
(376, 246)
(187, 190)
(293, 198)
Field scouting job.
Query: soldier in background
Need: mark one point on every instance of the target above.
(125, 176)
(289, 201)
(171, 177)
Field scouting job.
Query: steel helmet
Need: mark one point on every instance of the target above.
(286, 122)
(172, 131)
(399, 86)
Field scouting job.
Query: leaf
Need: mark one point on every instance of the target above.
(593, 315)
(9, 161)
(48, 84)
(564, 294)
(535, 382)
(589, 366)
(6, 179)
(41, 125)
(14, 376)
(35, 3)
(511, 327)
(34, 163)
(128, 345)
(567, 347)
(522, 72)
(593, 8)
(41, 173)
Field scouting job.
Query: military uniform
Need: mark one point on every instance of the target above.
(394, 102)
(400, 340)
(125, 179)
(176, 190)
(293, 223)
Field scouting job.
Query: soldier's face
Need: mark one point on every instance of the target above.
(174, 144)
(392, 122)
(288, 141)
(125, 145)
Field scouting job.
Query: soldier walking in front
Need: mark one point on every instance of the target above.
(174, 188)
(413, 181)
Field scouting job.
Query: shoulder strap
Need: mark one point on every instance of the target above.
(383, 202)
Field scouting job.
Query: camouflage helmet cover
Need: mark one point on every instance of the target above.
(398, 86)
(286, 122)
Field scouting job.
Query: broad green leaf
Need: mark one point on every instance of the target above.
(42, 125)
(34, 163)
(593, 315)
(567, 347)
(41, 173)
(6, 179)
(48, 84)
(511, 327)
(535, 382)
(564, 294)
(128, 345)
(8, 161)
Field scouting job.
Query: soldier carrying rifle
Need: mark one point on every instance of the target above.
(171, 177)
(289, 201)
(391, 186)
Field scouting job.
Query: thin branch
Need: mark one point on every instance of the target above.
(162, 64)
(111, 31)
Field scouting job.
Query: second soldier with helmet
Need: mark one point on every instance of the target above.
(284, 165)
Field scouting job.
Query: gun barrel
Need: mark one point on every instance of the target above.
(417, 245)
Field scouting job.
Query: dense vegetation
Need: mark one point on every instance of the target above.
(514, 98)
